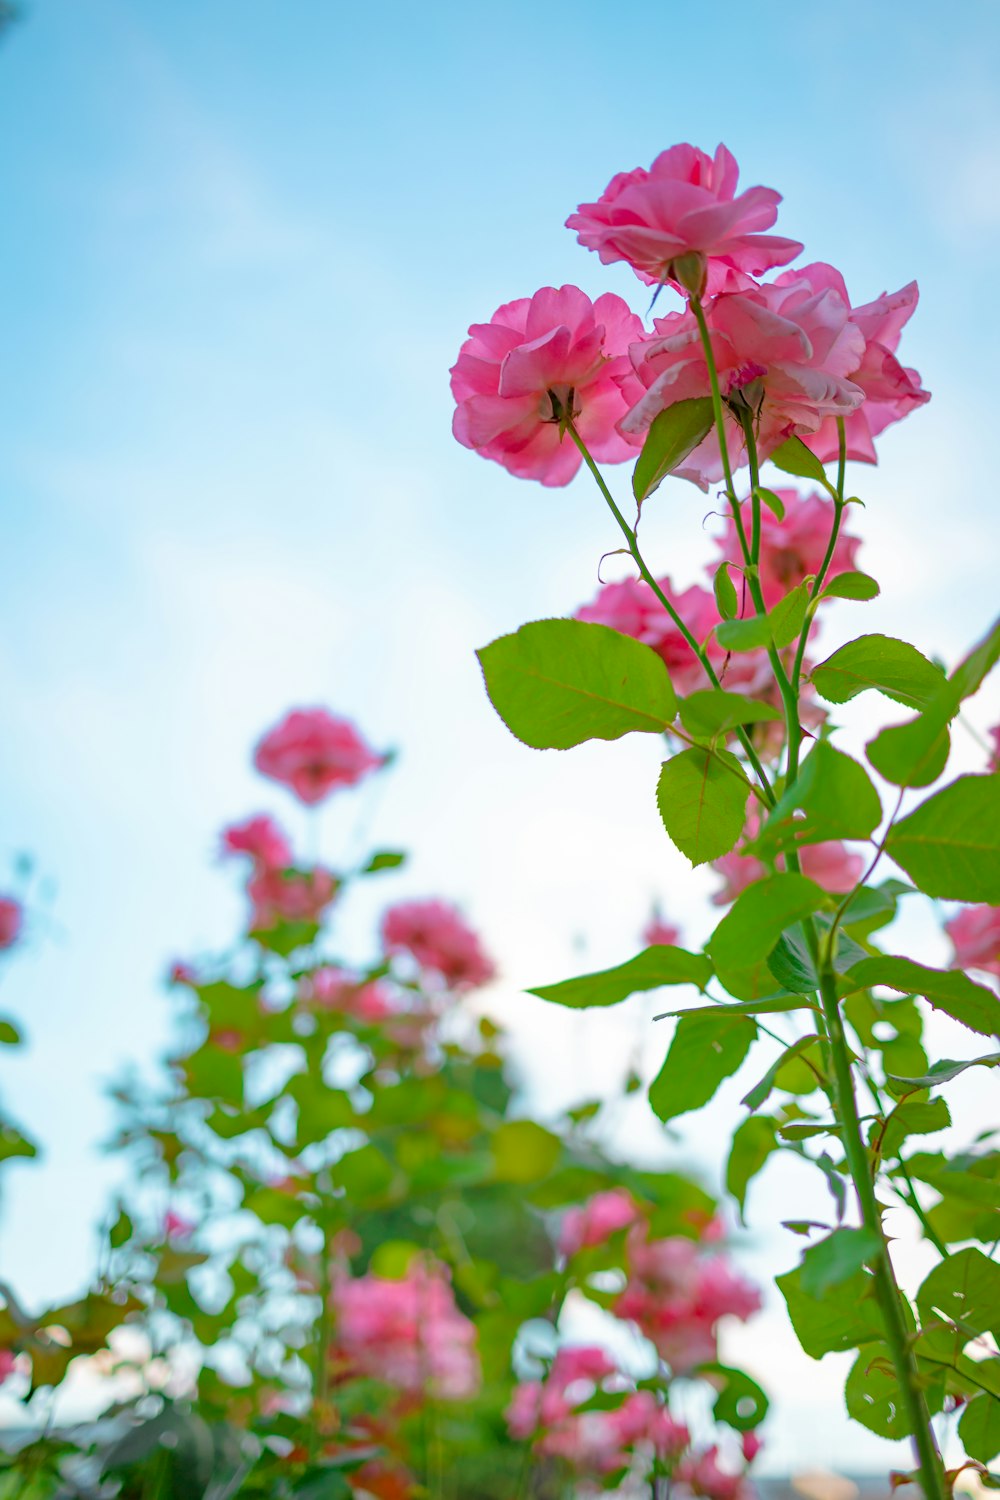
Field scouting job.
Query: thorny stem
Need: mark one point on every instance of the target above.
(633, 547)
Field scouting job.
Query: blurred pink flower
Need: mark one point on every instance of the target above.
(182, 973)
(537, 358)
(11, 920)
(438, 938)
(336, 989)
(783, 352)
(830, 864)
(314, 753)
(891, 390)
(975, 937)
(751, 1445)
(657, 931)
(793, 548)
(632, 608)
(260, 838)
(685, 206)
(176, 1227)
(278, 896)
(702, 1473)
(8, 1364)
(596, 1220)
(408, 1333)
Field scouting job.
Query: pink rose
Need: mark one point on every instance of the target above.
(278, 896)
(8, 1364)
(262, 839)
(633, 609)
(314, 753)
(793, 548)
(11, 919)
(408, 1333)
(702, 1472)
(335, 989)
(539, 359)
(596, 1220)
(891, 390)
(436, 936)
(783, 353)
(685, 209)
(657, 932)
(975, 936)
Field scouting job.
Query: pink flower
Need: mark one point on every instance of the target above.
(408, 1333)
(720, 1293)
(596, 1220)
(176, 1227)
(182, 973)
(891, 391)
(975, 937)
(8, 1364)
(335, 989)
(538, 359)
(633, 609)
(11, 919)
(751, 1445)
(685, 209)
(657, 932)
(278, 896)
(783, 353)
(702, 1472)
(794, 548)
(437, 938)
(641, 1419)
(314, 753)
(262, 839)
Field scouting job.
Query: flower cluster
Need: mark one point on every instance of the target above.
(440, 942)
(278, 891)
(313, 753)
(408, 1333)
(792, 356)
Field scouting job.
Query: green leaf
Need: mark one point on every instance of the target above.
(10, 1036)
(725, 593)
(702, 798)
(851, 586)
(827, 1325)
(674, 434)
(524, 1151)
(872, 1392)
(706, 1049)
(774, 502)
(948, 990)
(758, 917)
(713, 712)
(836, 797)
(979, 1428)
(365, 1175)
(791, 962)
(753, 1143)
(943, 1072)
(915, 1117)
(950, 846)
(793, 457)
(656, 966)
(556, 683)
(963, 1290)
(384, 859)
(892, 667)
(780, 626)
(741, 1403)
(121, 1231)
(761, 1091)
(836, 1259)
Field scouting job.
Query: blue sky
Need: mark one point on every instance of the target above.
(242, 243)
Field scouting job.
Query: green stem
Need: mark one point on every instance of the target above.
(886, 1288)
(633, 547)
(321, 1374)
(838, 515)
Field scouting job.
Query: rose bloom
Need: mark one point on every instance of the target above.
(8, 1364)
(278, 896)
(11, 919)
(657, 932)
(539, 358)
(793, 548)
(632, 608)
(783, 353)
(596, 1220)
(262, 839)
(975, 937)
(439, 939)
(314, 753)
(408, 1333)
(335, 989)
(891, 390)
(702, 1473)
(685, 208)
